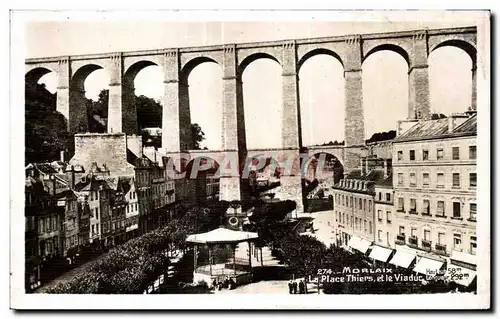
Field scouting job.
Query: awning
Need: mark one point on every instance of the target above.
(380, 253)
(402, 259)
(363, 245)
(359, 244)
(463, 257)
(461, 275)
(353, 242)
(427, 266)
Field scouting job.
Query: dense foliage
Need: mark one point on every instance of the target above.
(132, 266)
(384, 136)
(45, 129)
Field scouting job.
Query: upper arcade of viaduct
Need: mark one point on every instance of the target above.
(350, 50)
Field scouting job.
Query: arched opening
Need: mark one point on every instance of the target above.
(324, 167)
(321, 99)
(451, 79)
(262, 99)
(385, 91)
(203, 179)
(263, 176)
(89, 95)
(204, 78)
(321, 172)
(142, 102)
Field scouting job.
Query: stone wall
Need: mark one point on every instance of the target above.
(107, 148)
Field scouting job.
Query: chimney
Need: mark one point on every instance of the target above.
(451, 124)
(53, 185)
(61, 155)
(387, 167)
(72, 176)
(363, 167)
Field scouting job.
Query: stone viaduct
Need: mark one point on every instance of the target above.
(350, 50)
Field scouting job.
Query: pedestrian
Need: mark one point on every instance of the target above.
(290, 287)
(294, 284)
(302, 288)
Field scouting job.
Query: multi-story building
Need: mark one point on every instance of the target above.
(43, 229)
(384, 212)
(354, 206)
(435, 192)
(118, 203)
(132, 213)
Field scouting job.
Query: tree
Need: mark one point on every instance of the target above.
(384, 136)
(46, 131)
(149, 114)
(197, 136)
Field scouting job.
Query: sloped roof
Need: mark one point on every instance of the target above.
(469, 126)
(422, 129)
(438, 128)
(221, 235)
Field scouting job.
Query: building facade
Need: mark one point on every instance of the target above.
(435, 189)
(354, 204)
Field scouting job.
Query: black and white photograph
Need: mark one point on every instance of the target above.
(339, 157)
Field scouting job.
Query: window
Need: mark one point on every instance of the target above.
(425, 179)
(440, 180)
(400, 179)
(379, 196)
(413, 205)
(425, 155)
(128, 209)
(440, 154)
(456, 210)
(351, 201)
(342, 220)
(41, 225)
(379, 214)
(457, 242)
(472, 210)
(472, 179)
(456, 179)
(400, 155)
(97, 228)
(364, 205)
(413, 179)
(379, 236)
(401, 230)
(440, 208)
(388, 197)
(441, 238)
(93, 229)
(364, 226)
(472, 152)
(427, 234)
(473, 245)
(401, 204)
(455, 153)
(369, 205)
(360, 203)
(413, 232)
(370, 226)
(426, 208)
(388, 217)
(412, 155)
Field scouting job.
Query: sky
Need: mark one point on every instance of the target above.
(385, 79)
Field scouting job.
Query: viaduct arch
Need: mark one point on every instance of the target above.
(350, 50)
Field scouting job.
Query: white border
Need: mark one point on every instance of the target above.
(257, 301)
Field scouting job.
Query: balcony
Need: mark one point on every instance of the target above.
(440, 249)
(400, 239)
(426, 245)
(413, 241)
